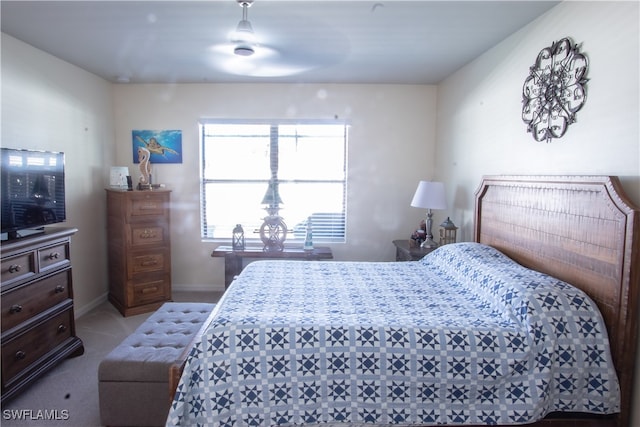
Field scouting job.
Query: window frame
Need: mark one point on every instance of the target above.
(250, 237)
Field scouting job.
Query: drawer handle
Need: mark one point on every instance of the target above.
(147, 234)
(148, 262)
(15, 268)
(53, 255)
(150, 290)
(20, 355)
(16, 308)
(59, 289)
(61, 328)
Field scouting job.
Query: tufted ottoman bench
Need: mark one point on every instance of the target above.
(136, 381)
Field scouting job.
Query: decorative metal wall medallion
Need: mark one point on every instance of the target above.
(554, 91)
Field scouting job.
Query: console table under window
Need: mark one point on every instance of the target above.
(233, 260)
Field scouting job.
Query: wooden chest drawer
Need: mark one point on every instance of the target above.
(149, 291)
(18, 267)
(25, 302)
(19, 353)
(148, 262)
(148, 234)
(148, 203)
(53, 256)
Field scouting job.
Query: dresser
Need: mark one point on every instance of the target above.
(139, 249)
(36, 295)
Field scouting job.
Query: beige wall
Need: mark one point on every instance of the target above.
(480, 130)
(48, 104)
(391, 143)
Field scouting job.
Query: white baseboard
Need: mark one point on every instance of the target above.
(197, 287)
(80, 311)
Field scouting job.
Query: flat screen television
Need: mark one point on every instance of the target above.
(32, 191)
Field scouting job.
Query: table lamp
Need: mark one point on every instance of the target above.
(429, 195)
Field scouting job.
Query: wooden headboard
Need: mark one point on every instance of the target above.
(581, 229)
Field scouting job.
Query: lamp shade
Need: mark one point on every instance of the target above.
(429, 195)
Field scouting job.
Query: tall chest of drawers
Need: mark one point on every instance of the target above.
(139, 249)
(38, 326)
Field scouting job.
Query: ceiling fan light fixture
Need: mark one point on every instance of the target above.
(243, 50)
(244, 26)
(243, 33)
(244, 36)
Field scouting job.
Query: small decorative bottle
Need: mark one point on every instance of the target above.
(308, 238)
(237, 241)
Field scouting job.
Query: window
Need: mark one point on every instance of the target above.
(308, 160)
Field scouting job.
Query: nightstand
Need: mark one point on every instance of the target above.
(404, 252)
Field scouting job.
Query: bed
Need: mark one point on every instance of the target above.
(477, 333)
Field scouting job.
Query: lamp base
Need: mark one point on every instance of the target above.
(429, 243)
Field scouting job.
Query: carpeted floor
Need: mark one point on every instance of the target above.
(68, 394)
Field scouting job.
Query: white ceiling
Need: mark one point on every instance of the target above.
(305, 41)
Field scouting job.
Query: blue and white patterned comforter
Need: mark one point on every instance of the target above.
(463, 336)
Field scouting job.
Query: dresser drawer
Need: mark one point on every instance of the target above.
(149, 291)
(148, 262)
(18, 267)
(148, 234)
(25, 302)
(19, 353)
(148, 204)
(53, 256)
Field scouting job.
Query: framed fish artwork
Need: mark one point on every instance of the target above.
(164, 146)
